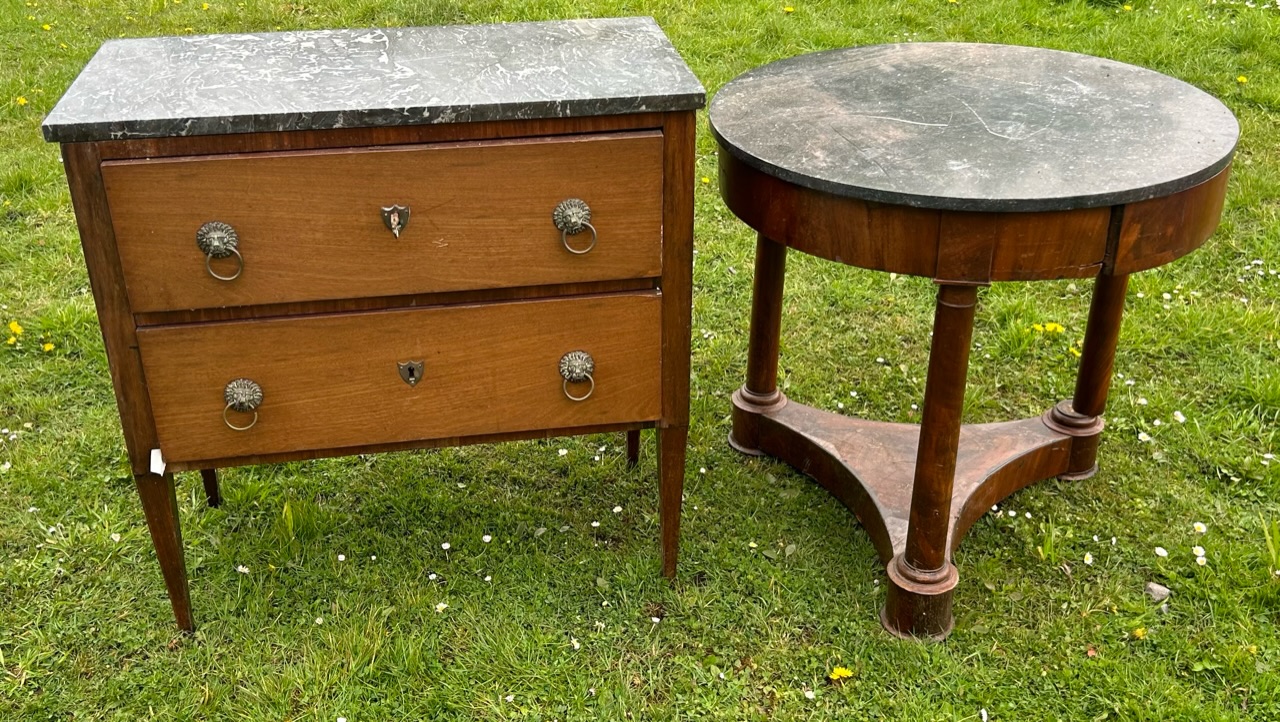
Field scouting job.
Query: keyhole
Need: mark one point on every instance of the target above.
(411, 374)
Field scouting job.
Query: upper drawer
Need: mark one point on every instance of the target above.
(310, 224)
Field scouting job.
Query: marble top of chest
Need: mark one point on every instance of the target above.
(326, 79)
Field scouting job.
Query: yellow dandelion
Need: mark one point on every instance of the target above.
(1054, 328)
(1128, 7)
(46, 27)
(1074, 351)
(1037, 326)
(1140, 633)
(11, 340)
(47, 347)
(1241, 79)
(16, 328)
(705, 180)
(21, 100)
(788, 9)
(840, 673)
(204, 6)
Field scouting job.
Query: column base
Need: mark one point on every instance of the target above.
(1084, 432)
(918, 605)
(747, 408)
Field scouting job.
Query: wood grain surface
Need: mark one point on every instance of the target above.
(331, 382)
(311, 228)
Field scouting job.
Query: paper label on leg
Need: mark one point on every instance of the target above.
(157, 462)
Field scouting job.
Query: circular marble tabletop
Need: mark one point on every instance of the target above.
(974, 127)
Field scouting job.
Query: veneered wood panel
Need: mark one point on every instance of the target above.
(89, 199)
(846, 230)
(332, 382)
(311, 228)
(986, 247)
(391, 135)
(1155, 232)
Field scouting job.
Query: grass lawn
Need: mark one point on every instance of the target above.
(553, 619)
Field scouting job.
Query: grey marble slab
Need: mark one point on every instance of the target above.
(324, 79)
(976, 127)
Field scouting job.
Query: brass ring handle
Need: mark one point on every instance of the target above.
(216, 239)
(244, 396)
(573, 216)
(208, 266)
(232, 426)
(565, 386)
(564, 238)
(577, 367)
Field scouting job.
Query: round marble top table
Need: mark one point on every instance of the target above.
(968, 164)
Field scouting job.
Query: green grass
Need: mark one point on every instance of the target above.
(85, 627)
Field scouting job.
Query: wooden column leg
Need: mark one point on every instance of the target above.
(760, 393)
(633, 448)
(211, 490)
(671, 450)
(160, 504)
(922, 577)
(1081, 417)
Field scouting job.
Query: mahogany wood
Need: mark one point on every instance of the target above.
(637, 319)
(926, 549)
(310, 223)
(333, 381)
(381, 303)
(107, 281)
(633, 448)
(1161, 230)
(954, 472)
(211, 490)
(679, 147)
(373, 137)
(385, 447)
(160, 505)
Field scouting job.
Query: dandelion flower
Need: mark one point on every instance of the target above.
(1241, 79)
(840, 673)
(16, 328)
(21, 100)
(46, 347)
(788, 9)
(1140, 633)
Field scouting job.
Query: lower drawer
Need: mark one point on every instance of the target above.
(334, 382)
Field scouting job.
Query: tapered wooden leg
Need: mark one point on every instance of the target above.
(160, 504)
(211, 490)
(922, 577)
(671, 450)
(633, 448)
(1081, 417)
(760, 392)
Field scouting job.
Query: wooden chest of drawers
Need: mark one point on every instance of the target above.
(406, 249)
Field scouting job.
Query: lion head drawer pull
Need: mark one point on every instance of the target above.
(576, 367)
(219, 240)
(573, 216)
(242, 396)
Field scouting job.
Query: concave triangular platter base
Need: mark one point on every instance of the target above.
(870, 465)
